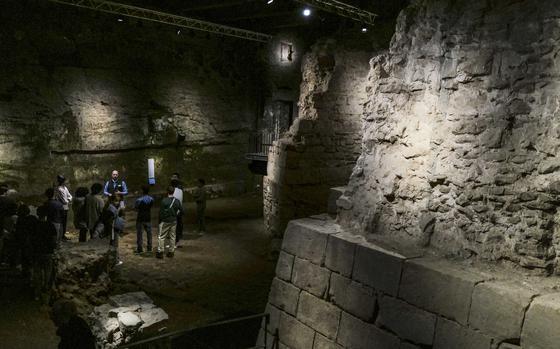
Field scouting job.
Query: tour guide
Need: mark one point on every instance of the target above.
(115, 186)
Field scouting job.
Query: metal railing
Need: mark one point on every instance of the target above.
(260, 144)
(238, 333)
(344, 10)
(166, 18)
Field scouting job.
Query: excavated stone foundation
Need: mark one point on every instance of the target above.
(336, 290)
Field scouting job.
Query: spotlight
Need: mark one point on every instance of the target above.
(269, 2)
(306, 12)
(364, 30)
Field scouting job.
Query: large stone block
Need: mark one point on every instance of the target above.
(284, 296)
(310, 277)
(294, 334)
(322, 342)
(540, 329)
(378, 268)
(318, 314)
(439, 286)
(407, 321)
(353, 297)
(356, 334)
(340, 254)
(274, 318)
(499, 307)
(284, 266)
(307, 238)
(451, 335)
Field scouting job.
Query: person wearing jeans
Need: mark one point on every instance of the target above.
(144, 220)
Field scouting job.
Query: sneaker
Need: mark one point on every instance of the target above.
(159, 255)
(170, 254)
(149, 249)
(138, 252)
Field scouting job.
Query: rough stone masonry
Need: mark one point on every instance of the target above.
(335, 290)
(461, 133)
(323, 144)
(79, 100)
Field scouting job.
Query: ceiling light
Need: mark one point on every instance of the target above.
(179, 32)
(306, 12)
(120, 19)
(364, 30)
(269, 2)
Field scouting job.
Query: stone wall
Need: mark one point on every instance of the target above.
(321, 147)
(460, 139)
(335, 290)
(82, 93)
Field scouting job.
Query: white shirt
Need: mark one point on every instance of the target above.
(178, 194)
(63, 195)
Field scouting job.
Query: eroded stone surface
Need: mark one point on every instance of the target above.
(82, 102)
(321, 146)
(450, 334)
(540, 327)
(355, 298)
(460, 137)
(322, 316)
(440, 287)
(499, 308)
(126, 315)
(407, 321)
(83, 273)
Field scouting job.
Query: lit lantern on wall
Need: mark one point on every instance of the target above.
(286, 52)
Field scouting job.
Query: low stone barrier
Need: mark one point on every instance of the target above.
(334, 290)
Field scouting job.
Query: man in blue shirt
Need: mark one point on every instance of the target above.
(144, 219)
(116, 186)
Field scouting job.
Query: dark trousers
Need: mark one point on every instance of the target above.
(200, 208)
(83, 234)
(64, 222)
(140, 227)
(179, 228)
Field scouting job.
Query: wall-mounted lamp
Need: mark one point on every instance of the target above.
(286, 52)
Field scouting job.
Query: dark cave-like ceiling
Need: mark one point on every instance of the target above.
(272, 18)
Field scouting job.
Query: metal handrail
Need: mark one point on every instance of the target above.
(166, 18)
(261, 141)
(179, 333)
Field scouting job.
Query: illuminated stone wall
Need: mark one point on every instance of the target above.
(460, 142)
(336, 290)
(82, 93)
(323, 144)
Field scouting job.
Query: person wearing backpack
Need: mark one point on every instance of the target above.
(170, 208)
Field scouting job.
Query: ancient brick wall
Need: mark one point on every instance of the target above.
(82, 93)
(322, 145)
(460, 140)
(335, 290)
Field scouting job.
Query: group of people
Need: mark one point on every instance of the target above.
(99, 212)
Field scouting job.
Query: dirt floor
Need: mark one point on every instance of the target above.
(223, 274)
